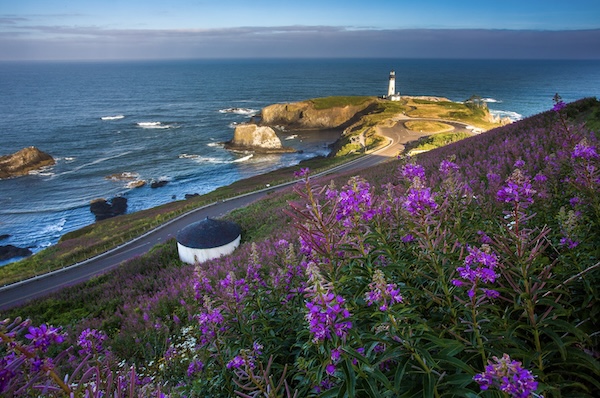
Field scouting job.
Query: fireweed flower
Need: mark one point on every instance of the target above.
(418, 201)
(354, 201)
(479, 267)
(584, 151)
(90, 341)
(194, 368)
(327, 317)
(412, 172)
(44, 336)
(518, 190)
(508, 376)
(381, 292)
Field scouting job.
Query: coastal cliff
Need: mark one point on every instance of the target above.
(22, 162)
(321, 113)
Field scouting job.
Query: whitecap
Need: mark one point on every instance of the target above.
(116, 117)
(215, 144)
(491, 100)
(239, 111)
(243, 159)
(291, 137)
(187, 156)
(153, 125)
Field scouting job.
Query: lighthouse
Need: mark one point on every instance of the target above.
(392, 84)
(391, 94)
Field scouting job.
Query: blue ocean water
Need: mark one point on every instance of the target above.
(165, 120)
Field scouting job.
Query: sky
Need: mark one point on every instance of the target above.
(190, 29)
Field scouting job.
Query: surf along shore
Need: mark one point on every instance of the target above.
(374, 124)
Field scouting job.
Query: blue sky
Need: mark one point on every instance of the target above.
(146, 29)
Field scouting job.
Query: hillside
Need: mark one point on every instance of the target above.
(359, 117)
(408, 280)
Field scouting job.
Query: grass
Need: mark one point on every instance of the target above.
(436, 141)
(425, 126)
(339, 101)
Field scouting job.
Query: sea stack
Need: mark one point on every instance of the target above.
(254, 138)
(22, 162)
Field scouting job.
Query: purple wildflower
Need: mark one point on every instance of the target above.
(419, 200)
(44, 336)
(237, 362)
(584, 151)
(302, 173)
(195, 367)
(90, 341)
(446, 167)
(559, 106)
(326, 316)
(479, 267)
(382, 293)
(518, 190)
(330, 369)
(508, 376)
(412, 171)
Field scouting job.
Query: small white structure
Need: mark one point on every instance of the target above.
(391, 94)
(207, 239)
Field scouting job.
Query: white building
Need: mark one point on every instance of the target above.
(392, 95)
(207, 239)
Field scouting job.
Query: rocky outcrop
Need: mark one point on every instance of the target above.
(22, 162)
(10, 251)
(251, 137)
(304, 115)
(102, 209)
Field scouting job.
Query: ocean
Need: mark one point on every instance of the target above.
(165, 120)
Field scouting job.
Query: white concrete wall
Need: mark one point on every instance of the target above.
(194, 256)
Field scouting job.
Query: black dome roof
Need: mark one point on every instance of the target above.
(208, 233)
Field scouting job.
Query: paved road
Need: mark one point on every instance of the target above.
(24, 291)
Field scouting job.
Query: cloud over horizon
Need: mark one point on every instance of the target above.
(19, 41)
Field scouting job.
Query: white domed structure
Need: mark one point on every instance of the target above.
(207, 239)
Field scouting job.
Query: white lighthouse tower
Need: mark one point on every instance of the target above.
(392, 84)
(392, 95)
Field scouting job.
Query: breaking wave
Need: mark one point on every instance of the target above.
(491, 100)
(214, 160)
(514, 116)
(154, 125)
(240, 111)
(116, 117)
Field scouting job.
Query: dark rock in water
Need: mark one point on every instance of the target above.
(191, 195)
(22, 162)
(102, 209)
(158, 184)
(5, 236)
(10, 251)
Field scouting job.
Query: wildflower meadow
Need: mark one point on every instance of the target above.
(471, 270)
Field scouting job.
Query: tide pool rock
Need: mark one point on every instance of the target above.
(103, 209)
(22, 162)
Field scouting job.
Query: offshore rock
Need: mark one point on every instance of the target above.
(22, 162)
(251, 137)
(102, 209)
(10, 251)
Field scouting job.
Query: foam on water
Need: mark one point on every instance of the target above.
(117, 117)
(154, 125)
(513, 116)
(240, 111)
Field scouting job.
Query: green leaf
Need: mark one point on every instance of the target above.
(350, 378)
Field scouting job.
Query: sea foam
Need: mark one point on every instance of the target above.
(116, 117)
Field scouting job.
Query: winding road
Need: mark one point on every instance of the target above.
(21, 292)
